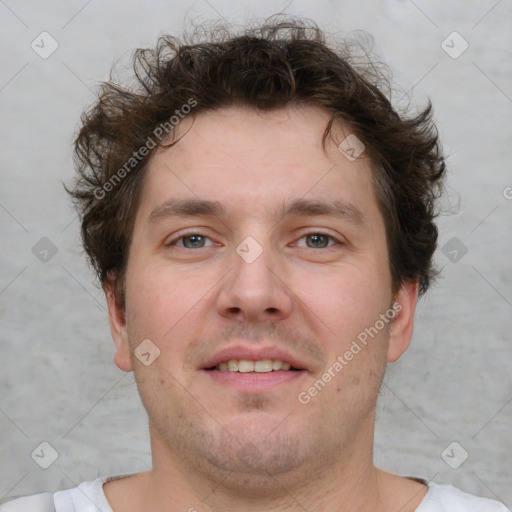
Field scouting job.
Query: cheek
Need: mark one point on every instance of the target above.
(167, 306)
(155, 301)
(347, 300)
(349, 309)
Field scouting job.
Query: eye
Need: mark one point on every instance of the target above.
(190, 241)
(318, 240)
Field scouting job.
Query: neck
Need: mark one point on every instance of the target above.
(347, 482)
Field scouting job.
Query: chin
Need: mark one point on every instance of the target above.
(256, 444)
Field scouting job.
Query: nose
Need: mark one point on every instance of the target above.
(255, 289)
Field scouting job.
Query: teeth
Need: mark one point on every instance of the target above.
(277, 365)
(232, 365)
(263, 366)
(246, 366)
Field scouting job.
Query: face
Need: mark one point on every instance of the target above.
(253, 245)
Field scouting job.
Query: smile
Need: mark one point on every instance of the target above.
(247, 366)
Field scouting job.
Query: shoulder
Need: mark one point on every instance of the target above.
(41, 502)
(88, 496)
(446, 498)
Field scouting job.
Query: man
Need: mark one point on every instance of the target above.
(262, 222)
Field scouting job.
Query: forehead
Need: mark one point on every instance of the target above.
(244, 157)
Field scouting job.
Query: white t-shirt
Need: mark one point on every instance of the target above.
(89, 497)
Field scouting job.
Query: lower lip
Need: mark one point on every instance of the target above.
(252, 381)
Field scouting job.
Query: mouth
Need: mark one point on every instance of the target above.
(248, 382)
(248, 366)
(247, 370)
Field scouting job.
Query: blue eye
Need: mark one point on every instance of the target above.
(192, 241)
(318, 240)
(313, 240)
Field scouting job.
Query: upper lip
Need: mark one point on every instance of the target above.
(254, 354)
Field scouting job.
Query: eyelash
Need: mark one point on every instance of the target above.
(186, 235)
(192, 233)
(322, 233)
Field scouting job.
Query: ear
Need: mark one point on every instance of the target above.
(117, 326)
(402, 325)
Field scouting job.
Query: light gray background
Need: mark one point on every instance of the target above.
(57, 379)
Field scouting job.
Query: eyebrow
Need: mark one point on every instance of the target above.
(194, 207)
(187, 208)
(310, 208)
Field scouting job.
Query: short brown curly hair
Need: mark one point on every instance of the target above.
(276, 64)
